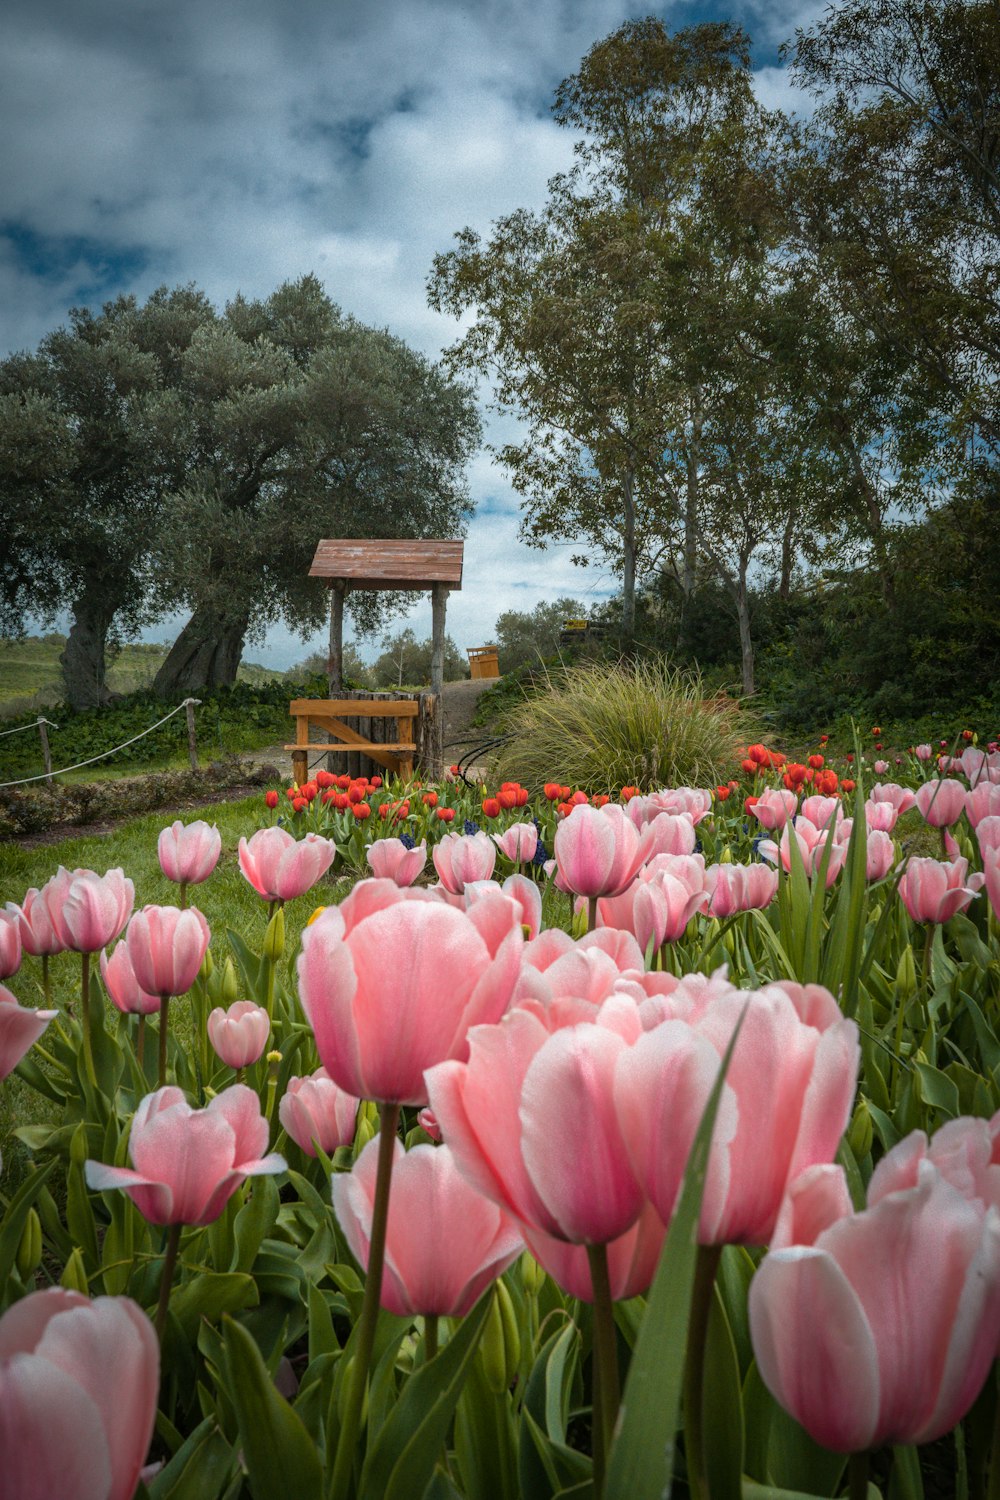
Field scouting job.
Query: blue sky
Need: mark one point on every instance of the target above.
(238, 143)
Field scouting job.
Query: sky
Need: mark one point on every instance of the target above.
(239, 144)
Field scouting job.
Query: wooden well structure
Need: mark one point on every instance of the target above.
(394, 564)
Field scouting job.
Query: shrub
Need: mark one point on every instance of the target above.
(632, 724)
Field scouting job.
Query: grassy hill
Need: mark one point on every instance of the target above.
(30, 676)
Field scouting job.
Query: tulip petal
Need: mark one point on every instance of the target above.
(51, 1436)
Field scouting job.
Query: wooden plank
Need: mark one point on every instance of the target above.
(406, 708)
(359, 743)
(389, 563)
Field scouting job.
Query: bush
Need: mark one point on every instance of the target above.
(631, 724)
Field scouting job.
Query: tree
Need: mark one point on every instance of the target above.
(525, 637)
(405, 661)
(83, 476)
(300, 423)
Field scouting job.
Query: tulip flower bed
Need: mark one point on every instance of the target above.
(587, 1146)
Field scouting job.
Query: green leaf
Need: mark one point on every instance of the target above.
(906, 1481)
(254, 1222)
(641, 1461)
(200, 1468)
(722, 1408)
(937, 1089)
(13, 1222)
(402, 1460)
(280, 1456)
(209, 1294)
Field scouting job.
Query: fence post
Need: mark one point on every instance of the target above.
(46, 752)
(189, 707)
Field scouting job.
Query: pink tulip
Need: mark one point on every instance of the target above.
(389, 859)
(461, 858)
(774, 807)
(923, 752)
(598, 850)
(94, 908)
(881, 816)
(10, 941)
(965, 1151)
(823, 812)
(188, 854)
(933, 890)
(78, 1393)
(531, 1120)
(812, 846)
(988, 834)
(671, 833)
(901, 797)
(974, 765)
(584, 973)
(883, 1327)
(991, 876)
(39, 936)
(632, 1259)
(431, 1274)
(391, 981)
(280, 867)
(786, 1102)
(166, 947)
(314, 1109)
(189, 1162)
(518, 842)
(20, 1028)
(123, 987)
(982, 802)
(518, 888)
(694, 802)
(736, 888)
(942, 802)
(239, 1034)
(880, 767)
(880, 854)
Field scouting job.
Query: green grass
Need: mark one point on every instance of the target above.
(30, 675)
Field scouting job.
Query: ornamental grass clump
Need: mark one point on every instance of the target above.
(637, 723)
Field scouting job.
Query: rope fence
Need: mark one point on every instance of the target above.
(19, 728)
(189, 704)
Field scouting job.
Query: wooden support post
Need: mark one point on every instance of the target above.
(300, 758)
(46, 752)
(439, 600)
(335, 660)
(192, 741)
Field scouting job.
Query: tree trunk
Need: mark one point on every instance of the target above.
(206, 654)
(628, 560)
(82, 660)
(746, 641)
(785, 586)
(335, 660)
(691, 497)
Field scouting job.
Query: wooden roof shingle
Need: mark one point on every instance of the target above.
(389, 564)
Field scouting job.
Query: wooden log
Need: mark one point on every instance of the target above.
(46, 752)
(192, 741)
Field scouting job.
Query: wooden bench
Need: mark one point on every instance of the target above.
(329, 714)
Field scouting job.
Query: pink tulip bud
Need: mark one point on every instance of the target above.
(189, 1162)
(924, 752)
(239, 1034)
(20, 1029)
(880, 855)
(280, 867)
(189, 854)
(78, 1392)
(389, 859)
(123, 987)
(881, 816)
(10, 941)
(880, 767)
(315, 1109)
(736, 888)
(94, 908)
(431, 1275)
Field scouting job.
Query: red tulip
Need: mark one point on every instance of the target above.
(271, 799)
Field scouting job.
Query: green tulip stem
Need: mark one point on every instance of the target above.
(140, 1042)
(350, 1429)
(88, 1049)
(606, 1394)
(182, 903)
(857, 1476)
(46, 981)
(706, 1266)
(925, 972)
(993, 1482)
(591, 913)
(430, 1336)
(164, 1006)
(167, 1277)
